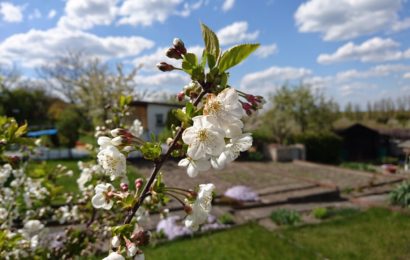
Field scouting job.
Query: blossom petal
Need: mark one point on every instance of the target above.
(98, 200)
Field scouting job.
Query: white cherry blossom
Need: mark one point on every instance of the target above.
(195, 166)
(136, 129)
(104, 142)
(101, 198)
(201, 207)
(204, 138)
(115, 242)
(227, 110)
(85, 176)
(112, 161)
(237, 144)
(5, 172)
(114, 256)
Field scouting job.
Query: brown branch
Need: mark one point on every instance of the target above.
(157, 166)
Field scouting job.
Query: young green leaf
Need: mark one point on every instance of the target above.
(236, 55)
(211, 41)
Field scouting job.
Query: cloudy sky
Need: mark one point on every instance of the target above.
(354, 50)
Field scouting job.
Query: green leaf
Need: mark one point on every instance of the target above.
(203, 59)
(21, 130)
(151, 151)
(211, 41)
(224, 79)
(181, 115)
(211, 61)
(191, 58)
(236, 55)
(189, 108)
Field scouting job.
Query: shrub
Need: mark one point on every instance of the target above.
(321, 147)
(285, 217)
(401, 195)
(320, 213)
(227, 219)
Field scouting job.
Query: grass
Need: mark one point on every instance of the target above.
(70, 183)
(374, 234)
(359, 166)
(245, 242)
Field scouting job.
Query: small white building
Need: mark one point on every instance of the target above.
(153, 115)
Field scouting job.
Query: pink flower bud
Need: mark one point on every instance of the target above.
(180, 96)
(173, 54)
(124, 187)
(246, 106)
(179, 46)
(187, 209)
(138, 183)
(163, 66)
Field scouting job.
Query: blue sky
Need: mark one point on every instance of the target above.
(353, 50)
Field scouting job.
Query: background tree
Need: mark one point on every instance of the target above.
(68, 127)
(297, 110)
(89, 83)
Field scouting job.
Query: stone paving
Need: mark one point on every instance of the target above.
(299, 186)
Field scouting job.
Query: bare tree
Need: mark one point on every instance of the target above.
(89, 83)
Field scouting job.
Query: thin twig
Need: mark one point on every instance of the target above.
(157, 166)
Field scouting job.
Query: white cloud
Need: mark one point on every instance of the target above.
(11, 13)
(85, 14)
(188, 8)
(373, 50)
(52, 14)
(47, 45)
(228, 5)
(149, 61)
(36, 14)
(356, 88)
(346, 19)
(406, 75)
(401, 25)
(269, 79)
(236, 32)
(162, 80)
(146, 12)
(378, 71)
(265, 51)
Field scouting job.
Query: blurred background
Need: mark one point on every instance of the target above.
(334, 132)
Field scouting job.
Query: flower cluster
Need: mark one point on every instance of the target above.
(210, 134)
(216, 138)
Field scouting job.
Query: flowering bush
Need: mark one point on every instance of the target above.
(209, 135)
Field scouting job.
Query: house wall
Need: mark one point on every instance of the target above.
(153, 122)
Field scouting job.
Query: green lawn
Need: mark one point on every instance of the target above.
(374, 234)
(70, 183)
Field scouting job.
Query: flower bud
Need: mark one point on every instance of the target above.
(138, 183)
(179, 45)
(169, 141)
(181, 96)
(173, 54)
(124, 186)
(192, 194)
(187, 209)
(141, 238)
(115, 242)
(246, 106)
(128, 149)
(163, 66)
(132, 249)
(117, 132)
(117, 141)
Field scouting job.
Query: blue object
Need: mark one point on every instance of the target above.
(42, 132)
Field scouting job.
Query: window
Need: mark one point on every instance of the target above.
(159, 119)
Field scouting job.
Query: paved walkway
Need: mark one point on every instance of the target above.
(299, 186)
